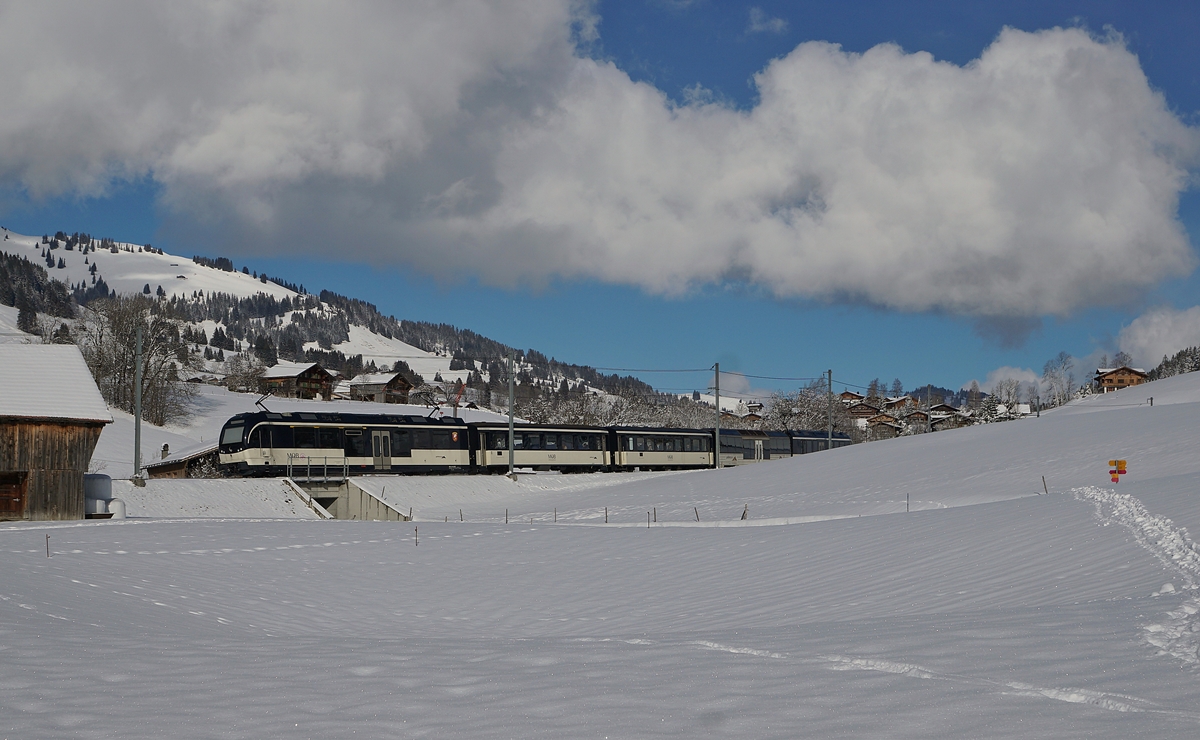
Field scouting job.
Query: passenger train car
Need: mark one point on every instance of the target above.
(336, 445)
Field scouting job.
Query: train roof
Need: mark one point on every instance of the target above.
(335, 417)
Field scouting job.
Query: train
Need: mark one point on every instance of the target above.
(335, 444)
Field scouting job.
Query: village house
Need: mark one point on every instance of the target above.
(297, 380)
(1115, 378)
(51, 416)
(849, 397)
(380, 387)
(862, 410)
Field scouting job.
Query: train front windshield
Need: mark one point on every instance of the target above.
(232, 434)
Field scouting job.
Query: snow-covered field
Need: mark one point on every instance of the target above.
(988, 611)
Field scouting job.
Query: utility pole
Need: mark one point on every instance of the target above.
(929, 407)
(137, 406)
(511, 395)
(717, 436)
(829, 438)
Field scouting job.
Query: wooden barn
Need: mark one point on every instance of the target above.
(51, 416)
(380, 387)
(298, 380)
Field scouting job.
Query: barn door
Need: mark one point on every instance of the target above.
(12, 495)
(381, 449)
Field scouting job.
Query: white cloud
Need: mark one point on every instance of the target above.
(760, 22)
(1160, 333)
(473, 136)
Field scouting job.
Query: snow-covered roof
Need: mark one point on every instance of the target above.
(373, 378)
(187, 453)
(284, 369)
(48, 381)
(1105, 370)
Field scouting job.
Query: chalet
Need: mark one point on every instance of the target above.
(898, 404)
(862, 410)
(884, 426)
(380, 387)
(917, 418)
(297, 380)
(943, 408)
(949, 421)
(850, 397)
(51, 416)
(1115, 378)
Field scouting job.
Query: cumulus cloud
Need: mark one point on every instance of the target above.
(1160, 333)
(760, 22)
(476, 136)
(1026, 380)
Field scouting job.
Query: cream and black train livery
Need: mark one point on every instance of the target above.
(333, 444)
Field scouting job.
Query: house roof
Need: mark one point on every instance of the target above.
(1107, 370)
(373, 379)
(289, 369)
(48, 381)
(191, 452)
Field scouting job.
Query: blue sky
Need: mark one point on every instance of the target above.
(742, 323)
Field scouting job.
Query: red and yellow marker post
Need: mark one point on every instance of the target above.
(1116, 470)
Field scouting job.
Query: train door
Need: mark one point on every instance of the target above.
(758, 450)
(381, 449)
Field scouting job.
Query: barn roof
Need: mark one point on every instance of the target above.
(373, 379)
(288, 369)
(48, 381)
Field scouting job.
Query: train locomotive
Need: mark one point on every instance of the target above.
(336, 445)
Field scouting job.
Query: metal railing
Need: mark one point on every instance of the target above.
(341, 470)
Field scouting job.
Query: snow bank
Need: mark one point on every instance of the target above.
(188, 497)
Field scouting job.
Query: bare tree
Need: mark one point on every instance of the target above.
(107, 338)
(1059, 379)
(244, 372)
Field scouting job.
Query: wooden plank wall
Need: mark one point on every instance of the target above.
(55, 455)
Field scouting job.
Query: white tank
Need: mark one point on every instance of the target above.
(117, 507)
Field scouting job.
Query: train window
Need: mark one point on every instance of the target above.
(231, 435)
(678, 444)
(518, 440)
(421, 439)
(497, 440)
(375, 448)
(551, 441)
(387, 444)
(568, 442)
(329, 438)
(441, 441)
(533, 441)
(254, 437)
(357, 443)
(304, 437)
(282, 436)
(401, 443)
(639, 443)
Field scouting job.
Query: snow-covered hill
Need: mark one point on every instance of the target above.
(131, 268)
(989, 611)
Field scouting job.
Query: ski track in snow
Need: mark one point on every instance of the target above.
(1071, 695)
(1178, 635)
